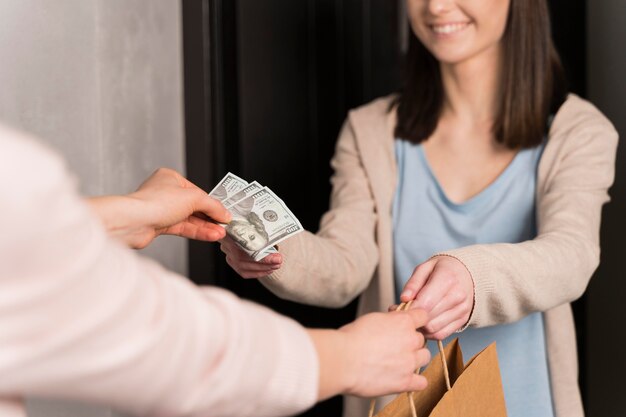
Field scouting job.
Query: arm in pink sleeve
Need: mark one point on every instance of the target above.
(83, 318)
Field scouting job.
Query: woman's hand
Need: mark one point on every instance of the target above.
(375, 355)
(166, 203)
(443, 287)
(244, 265)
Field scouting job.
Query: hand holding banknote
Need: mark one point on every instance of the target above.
(247, 267)
(260, 220)
(166, 203)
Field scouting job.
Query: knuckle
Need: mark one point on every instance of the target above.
(448, 279)
(427, 303)
(407, 322)
(457, 296)
(415, 342)
(199, 194)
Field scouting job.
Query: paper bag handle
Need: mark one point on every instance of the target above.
(446, 374)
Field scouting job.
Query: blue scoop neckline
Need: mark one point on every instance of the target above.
(476, 200)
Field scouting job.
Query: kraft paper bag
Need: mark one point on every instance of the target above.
(455, 390)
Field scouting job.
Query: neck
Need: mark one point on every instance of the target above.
(470, 87)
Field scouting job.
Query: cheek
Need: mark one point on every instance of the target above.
(415, 13)
(495, 17)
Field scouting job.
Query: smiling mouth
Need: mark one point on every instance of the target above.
(449, 28)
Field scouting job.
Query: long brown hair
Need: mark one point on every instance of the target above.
(532, 82)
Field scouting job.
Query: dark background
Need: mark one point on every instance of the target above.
(268, 84)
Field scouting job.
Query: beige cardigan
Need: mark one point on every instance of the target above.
(352, 255)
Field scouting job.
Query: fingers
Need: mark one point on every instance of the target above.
(446, 295)
(455, 318)
(447, 330)
(419, 317)
(244, 265)
(417, 383)
(249, 264)
(248, 271)
(197, 228)
(417, 280)
(212, 208)
(209, 232)
(273, 259)
(230, 248)
(454, 297)
(422, 358)
(433, 292)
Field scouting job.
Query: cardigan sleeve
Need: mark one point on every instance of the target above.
(332, 267)
(83, 318)
(575, 173)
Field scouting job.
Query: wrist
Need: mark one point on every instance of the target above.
(122, 219)
(335, 375)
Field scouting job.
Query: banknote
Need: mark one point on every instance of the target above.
(234, 193)
(249, 189)
(260, 221)
(227, 187)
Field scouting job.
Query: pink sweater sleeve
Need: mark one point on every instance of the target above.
(82, 317)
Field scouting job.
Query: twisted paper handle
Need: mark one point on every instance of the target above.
(402, 307)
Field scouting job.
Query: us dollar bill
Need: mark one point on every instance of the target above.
(227, 187)
(260, 221)
(246, 191)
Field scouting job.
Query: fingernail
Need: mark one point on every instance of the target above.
(406, 293)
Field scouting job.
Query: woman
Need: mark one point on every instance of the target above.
(477, 191)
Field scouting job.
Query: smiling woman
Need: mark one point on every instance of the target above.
(476, 191)
(512, 36)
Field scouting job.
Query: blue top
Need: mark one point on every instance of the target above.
(427, 222)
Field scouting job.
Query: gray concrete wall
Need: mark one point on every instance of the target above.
(99, 80)
(606, 361)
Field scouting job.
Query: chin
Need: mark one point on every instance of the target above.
(452, 56)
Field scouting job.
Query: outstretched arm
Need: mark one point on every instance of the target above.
(84, 318)
(166, 203)
(512, 280)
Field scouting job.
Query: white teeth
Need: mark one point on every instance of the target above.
(450, 28)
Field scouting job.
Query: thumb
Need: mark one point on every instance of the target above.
(417, 280)
(213, 209)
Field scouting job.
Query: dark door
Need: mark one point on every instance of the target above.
(268, 85)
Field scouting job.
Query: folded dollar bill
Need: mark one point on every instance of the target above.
(260, 220)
